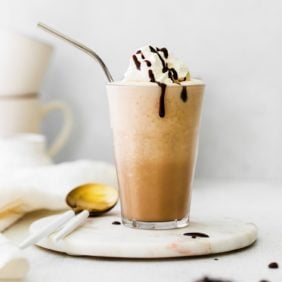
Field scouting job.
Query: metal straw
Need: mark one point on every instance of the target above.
(80, 46)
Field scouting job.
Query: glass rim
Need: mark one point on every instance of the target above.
(194, 82)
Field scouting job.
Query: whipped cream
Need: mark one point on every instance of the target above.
(150, 64)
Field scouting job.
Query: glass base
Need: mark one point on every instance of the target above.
(156, 225)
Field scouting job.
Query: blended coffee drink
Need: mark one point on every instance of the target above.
(155, 115)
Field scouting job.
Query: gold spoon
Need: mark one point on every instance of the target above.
(97, 198)
(86, 200)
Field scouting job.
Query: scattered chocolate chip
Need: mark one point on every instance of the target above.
(215, 259)
(116, 223)
(208, 279)
(273, 265)
(194, 235)
(263, 280)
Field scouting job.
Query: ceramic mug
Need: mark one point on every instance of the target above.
(24, 61)
(23, 150)
(25, 115)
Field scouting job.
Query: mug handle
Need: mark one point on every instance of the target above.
(65, 131)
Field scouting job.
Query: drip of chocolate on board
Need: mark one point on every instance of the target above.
(184, 94)
(116, 223)
(209, 279)
(136, 61)
(195, 235)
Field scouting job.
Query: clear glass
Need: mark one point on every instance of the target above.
(155, 156)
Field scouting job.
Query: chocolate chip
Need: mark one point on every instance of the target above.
(273, 265)
(208, 279)
(116, 223)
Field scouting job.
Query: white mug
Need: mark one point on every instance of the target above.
(23, 150)
(23, 63)
(25, 115)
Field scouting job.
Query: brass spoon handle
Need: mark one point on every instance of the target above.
(80, 46)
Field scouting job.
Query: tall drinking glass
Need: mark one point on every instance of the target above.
(155, 156)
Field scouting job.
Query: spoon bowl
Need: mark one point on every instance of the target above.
(96, 198)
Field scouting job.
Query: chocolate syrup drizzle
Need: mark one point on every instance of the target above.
(184, 94)
(162, 100)
(151, 76)
(194, 235)
(148, 63)
(136, 61)
(172, 74)
(164, 50)
(142, 55)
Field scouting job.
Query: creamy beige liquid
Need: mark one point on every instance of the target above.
(155, 157)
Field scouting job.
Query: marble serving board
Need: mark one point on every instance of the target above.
(105, 237)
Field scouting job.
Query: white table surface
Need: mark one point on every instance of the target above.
(257, 202)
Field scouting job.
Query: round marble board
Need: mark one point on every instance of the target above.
(101, 238)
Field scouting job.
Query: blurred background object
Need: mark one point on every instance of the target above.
(235, 47)
(24, 61)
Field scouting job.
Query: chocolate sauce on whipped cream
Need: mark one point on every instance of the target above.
(151, 76)
(164, 50)
(141, 53)
(172, 74)
(149, 64)
(153, 50)
(136, 61)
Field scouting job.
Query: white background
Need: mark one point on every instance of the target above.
(234, 46)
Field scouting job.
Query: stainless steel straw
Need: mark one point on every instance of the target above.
(80, 46)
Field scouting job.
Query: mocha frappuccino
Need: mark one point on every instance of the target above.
(155, 116)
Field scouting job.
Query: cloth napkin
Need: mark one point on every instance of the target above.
(27, 189)
(13, 262)
(45, 187)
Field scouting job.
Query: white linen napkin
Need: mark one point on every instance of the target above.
(13, 263)
(45, 187)
(27, 189)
